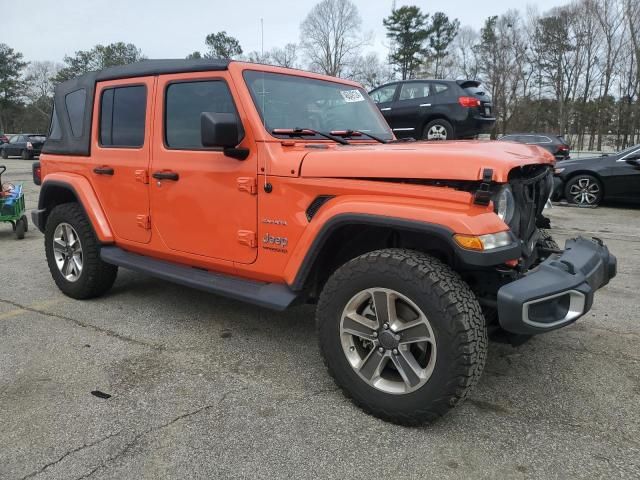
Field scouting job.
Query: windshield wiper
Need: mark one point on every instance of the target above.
(300, 132)
(356, 133)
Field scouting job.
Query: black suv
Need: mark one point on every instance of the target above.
(435, 109)
(553, 143)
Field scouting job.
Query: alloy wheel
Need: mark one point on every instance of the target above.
(437, 132)
(67, 251)
(388, 340)
(584, 192)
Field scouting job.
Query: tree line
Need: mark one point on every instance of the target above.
(572, 70)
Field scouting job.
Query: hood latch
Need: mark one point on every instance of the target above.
(482, 196)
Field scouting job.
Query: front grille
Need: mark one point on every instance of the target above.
(531, 186)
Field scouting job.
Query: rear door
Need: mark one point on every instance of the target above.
(414, 101)
(120, 150)
(210, 206)
(16, 144)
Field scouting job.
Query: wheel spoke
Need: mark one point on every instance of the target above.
(372, 364)
(407, 367)
(359, 326)
(59, 246)
(383, 305)
(66, 266)
(77, 265)
(415, 332)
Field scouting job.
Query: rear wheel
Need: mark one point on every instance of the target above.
(25, 155)
(73, 254)
(402, 335)
(5, 155)
(438, 129)
(583, 190)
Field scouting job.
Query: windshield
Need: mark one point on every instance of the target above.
(287, 102)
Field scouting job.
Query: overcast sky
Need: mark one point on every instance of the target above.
(50, 29)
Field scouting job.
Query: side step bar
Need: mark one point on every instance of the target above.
(270, 295)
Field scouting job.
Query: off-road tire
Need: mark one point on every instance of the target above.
(97, 277)
(443, 123)
(452, 310)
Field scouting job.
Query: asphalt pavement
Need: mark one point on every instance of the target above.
(200, 386)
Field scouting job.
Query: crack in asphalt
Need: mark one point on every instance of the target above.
(82, 324)
(128, 445)
(70, 452)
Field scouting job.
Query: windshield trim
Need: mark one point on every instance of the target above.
(316, 138)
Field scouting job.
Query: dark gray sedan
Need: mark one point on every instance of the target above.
(23, 145)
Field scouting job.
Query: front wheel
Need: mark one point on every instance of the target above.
(402, 335)
(25, 155)
(438, 129)
(73, 254)
(583, 190)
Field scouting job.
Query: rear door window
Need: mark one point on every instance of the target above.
(122, 116)
(412, 90)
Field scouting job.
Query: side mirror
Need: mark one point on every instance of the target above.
(222, 130)
(219, 130)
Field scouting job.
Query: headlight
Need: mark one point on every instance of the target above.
(504, 204)
(484, 242)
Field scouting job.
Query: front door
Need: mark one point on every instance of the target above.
(117, 167)
(623, 179)
(413, 102)
(206, 204)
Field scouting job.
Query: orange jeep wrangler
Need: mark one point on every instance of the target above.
(276, 187)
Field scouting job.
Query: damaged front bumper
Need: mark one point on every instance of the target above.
(558, 291)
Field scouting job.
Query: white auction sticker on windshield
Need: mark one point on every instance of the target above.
(352, 96)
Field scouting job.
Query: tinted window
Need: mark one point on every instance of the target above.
(439, 88)
(185, 102)
(414, 90)
(54, 130)
(478, 90)
(14, 139)
(122, 116)
(384, 94)
(75, 109)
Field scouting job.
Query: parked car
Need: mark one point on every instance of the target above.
(553, 143)
(435, 109)
(590, 181)
(277, 187)
(24, 145)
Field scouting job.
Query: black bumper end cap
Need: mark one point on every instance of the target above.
(585, 266)
(37, 218)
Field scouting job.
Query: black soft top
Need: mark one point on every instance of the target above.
(77, 95)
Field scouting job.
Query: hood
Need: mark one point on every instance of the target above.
(583, 161)
(462, 160)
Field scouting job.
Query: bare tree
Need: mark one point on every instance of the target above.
(331, 36)
(286, 56)
(370, 71)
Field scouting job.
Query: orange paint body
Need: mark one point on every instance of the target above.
(220, 218)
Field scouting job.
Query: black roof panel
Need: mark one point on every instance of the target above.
(160, 67)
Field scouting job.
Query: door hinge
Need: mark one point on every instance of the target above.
(144, 221)
(248, 184)
(142, 176)
(248, 238)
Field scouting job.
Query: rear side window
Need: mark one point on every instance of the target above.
(122, 116)
(54, 131)
(413, 90)
(74, 102)
(185, 102)
(439, 89)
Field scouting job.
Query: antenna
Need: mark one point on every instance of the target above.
(262, 37)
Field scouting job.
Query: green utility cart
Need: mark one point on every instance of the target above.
(12, 206)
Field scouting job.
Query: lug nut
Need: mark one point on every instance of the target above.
(396, 336)
(395, 351)
(381, 350)
(375, 334)
(386, 326)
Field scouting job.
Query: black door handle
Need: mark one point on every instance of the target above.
(103, 171)
(166, 176)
